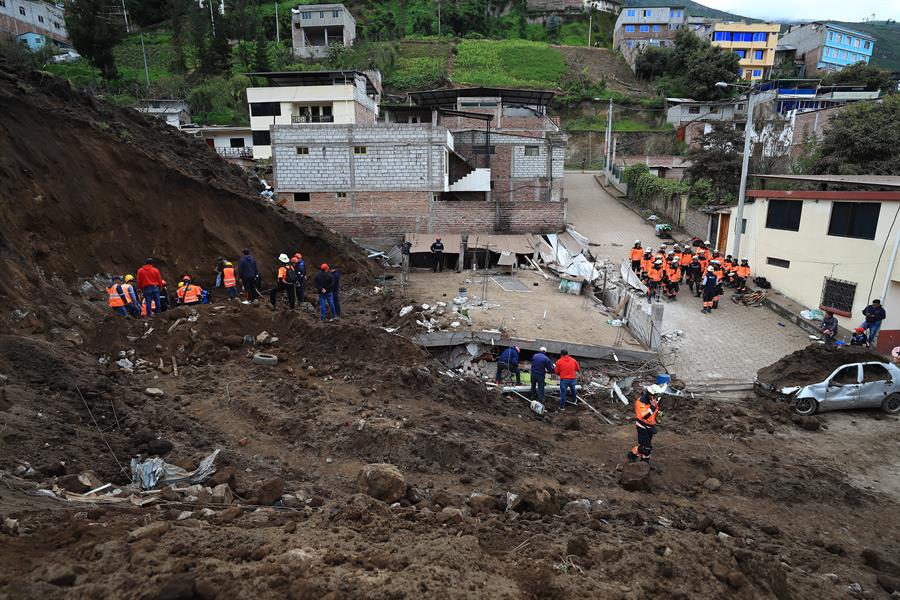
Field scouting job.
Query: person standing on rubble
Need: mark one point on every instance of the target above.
(220, 266)
(134, 307)
(117, 299)
(646, 414)
(540, 366)
(437, 251)
(229, 280)
(300, 268)
(404, 261)
(567, 368)
(150, 282)
(285, 280)
(325, 284)
(248, 271)
(874, 314)
(508, 361)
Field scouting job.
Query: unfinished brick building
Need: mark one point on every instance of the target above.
(456, 161)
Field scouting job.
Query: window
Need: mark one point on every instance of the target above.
(629, 29)
(854, 219)
(306, 15)
(714, 110)
(301, 196)
(676, 13)
(645, 28)
(875, 372)
(302, 150)
(360, 150)
(867, 45)
(335, 14)
(844, 54)
(22, 11)
(40, 19)
(262, 138)
(723, 36)
(648, 13)
(55, 24)
(630, 12)
(656, 29)
(236, 142)
(758, 55)
(630, 43)
(340, 194)
(760, 36)
(321, 14)
(847, 376)
(857, 42)
(693, 110)
(532, 150)
(757, 72)
(784, 214)
(741, 107)
(155, 105)
(265, 109)
(778, 262)
(837, 296)
(741, 53)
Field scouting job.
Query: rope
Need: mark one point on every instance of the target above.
(97, 425)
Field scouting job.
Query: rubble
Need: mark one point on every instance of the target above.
(381, 481)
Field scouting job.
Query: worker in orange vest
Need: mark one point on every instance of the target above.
(188, 293)
(686, 257)
(636, 253)
(673, 277)
(703, 257)
(646, 415)
(229, 280)
(646, 262)
(742, 274)
(654, 279)
(117, 297)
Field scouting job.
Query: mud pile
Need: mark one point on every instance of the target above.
(89, 187)
(812, 364)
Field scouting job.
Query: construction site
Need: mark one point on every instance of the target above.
(231, 450)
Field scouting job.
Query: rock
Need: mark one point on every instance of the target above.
(158, 447)
(62, 577)
(482, 503)
(72, 483)
(233, 341)
(222, 494)
(124, 363)
(229, 514)
(704, 523)
(381, 481)
(414, 495)
(268, 492)
(579, 507)
(723, 537)
(224, 475)
(539, 500)
(316, 502)
(712, 484)
(290, 501)
(720, 571)
(450, 516)
(290, 527)
(177, 587)
(154, 392)
(854, 588)
(152, 531)
(185, 514)
(635, 477)
(445, 498)
(736, 580)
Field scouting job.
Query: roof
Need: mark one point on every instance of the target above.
(217, 129)
(507, 96)
(848, 30)
(891, 181)
(299, 78)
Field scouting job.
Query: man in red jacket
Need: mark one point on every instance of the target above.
(567, 368)
(149, 280)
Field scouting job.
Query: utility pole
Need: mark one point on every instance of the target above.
(146, 70)
(590, 25)
(745, 165)
(609, 116)
(439, 17)
(277, 30)
(125, 16)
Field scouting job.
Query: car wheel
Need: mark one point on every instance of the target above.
(891, 404)
(268, 360)
(805, 406)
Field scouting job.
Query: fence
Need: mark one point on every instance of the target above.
(644, 323)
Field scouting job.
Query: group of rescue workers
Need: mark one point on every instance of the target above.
(147, 295)
(703, 269)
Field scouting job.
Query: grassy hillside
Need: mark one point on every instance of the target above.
(508, 63)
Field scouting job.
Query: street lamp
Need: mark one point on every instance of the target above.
(745, 164)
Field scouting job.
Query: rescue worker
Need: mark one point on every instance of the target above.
(646, 262)
(567, 368)
(693, 273)
(300, 268)
(686, 257)
(324, 283)
(150, 281)
(654, 279)
(636, 253)
(437, 252)
(134, 306)
(673, 277)
(720, 278)
(710, 286)
(703, 257)
(646, 415)
(742, 275)
(508, 361)
(404, 261)
(285, 280)
(117, 299)
(229, 280)
(188, 293)
(249, 273)
(220, 266)
(540, 366)
(859, 338)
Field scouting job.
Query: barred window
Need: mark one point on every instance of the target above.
(838, 295)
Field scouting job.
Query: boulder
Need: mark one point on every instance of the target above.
(445, 498)
(222, 494)
(450, 516)
(152, 391)
(712, 484)
(72, 483)
(538, 500)
(381, 481)
(482, 503)
(635, 477)
(152, 531)
(224, 475)
(268, 492)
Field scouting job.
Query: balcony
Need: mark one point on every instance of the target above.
(312, 119)
(225, 152)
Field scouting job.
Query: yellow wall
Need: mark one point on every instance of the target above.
(815, 255)
(749, 63)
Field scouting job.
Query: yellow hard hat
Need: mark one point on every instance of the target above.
(129, 278)
(227, 264)
(181, 284)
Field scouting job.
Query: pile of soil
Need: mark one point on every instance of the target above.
(812, 364)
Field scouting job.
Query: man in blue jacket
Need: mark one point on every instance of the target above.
(540, 366)
(249, 275)
(874, 314)
(509, 361)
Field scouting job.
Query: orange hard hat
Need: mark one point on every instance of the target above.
(324, 266)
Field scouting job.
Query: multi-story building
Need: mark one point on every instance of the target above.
(35, 22)
(824, 47)
(315, 27)
(694, 118)
(233, 143)
(754, 43)
(639, 27)
(311, 99)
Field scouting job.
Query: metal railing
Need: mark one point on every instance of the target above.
(312, 119)
(235, 152)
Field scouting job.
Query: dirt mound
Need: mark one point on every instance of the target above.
(812, 364)
(91, 188)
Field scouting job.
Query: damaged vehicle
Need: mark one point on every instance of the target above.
(855, 385)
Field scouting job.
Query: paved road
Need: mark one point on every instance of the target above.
(731, 344)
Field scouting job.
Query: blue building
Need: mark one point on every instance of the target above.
(828, 47)
(34, 41)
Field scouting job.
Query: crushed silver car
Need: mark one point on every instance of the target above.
(855, 385)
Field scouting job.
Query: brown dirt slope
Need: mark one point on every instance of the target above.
(88, 187)
(602, 63)
(812, 364)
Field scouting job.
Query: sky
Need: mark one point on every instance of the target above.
(810, 10)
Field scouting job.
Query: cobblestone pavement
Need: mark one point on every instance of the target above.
(731, 344)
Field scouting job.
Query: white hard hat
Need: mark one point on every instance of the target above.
(658, 261)
(648, 249)
(284, 258)
(747, 259)
(710, 269)
(542, 349)
(654, 389)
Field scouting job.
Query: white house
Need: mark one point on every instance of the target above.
(176, 113)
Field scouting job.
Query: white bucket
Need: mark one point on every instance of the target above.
(537, 407)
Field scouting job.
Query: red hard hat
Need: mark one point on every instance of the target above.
(859, 330)
(324, 266)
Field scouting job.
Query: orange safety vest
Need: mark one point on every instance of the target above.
(655, 274)
(637, 253)
(190, 294)
(686, 259)
(704, 262)
(144, 307)
(228, 278)
(646, 263)
(743, 271)
(719, 274)
(645, 413)
(115, 299)
(673, 274)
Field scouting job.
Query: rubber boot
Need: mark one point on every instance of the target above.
(715, 304)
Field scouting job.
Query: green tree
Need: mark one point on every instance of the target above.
(864, 139)
(554, 24)
(862, 74)
(94, 33)
(261, 61)
(691, 66)
(653, 63)
(718, 159)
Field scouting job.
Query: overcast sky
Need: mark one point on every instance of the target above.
(810, 10)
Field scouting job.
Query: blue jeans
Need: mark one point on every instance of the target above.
(322, 299)
(151, 296)
(121, 311)
(873, 329)
(564, 385)
(537, 385)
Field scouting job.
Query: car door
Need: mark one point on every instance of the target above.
(843, 386)
(877, 383)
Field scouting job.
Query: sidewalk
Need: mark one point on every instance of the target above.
(730, 344)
